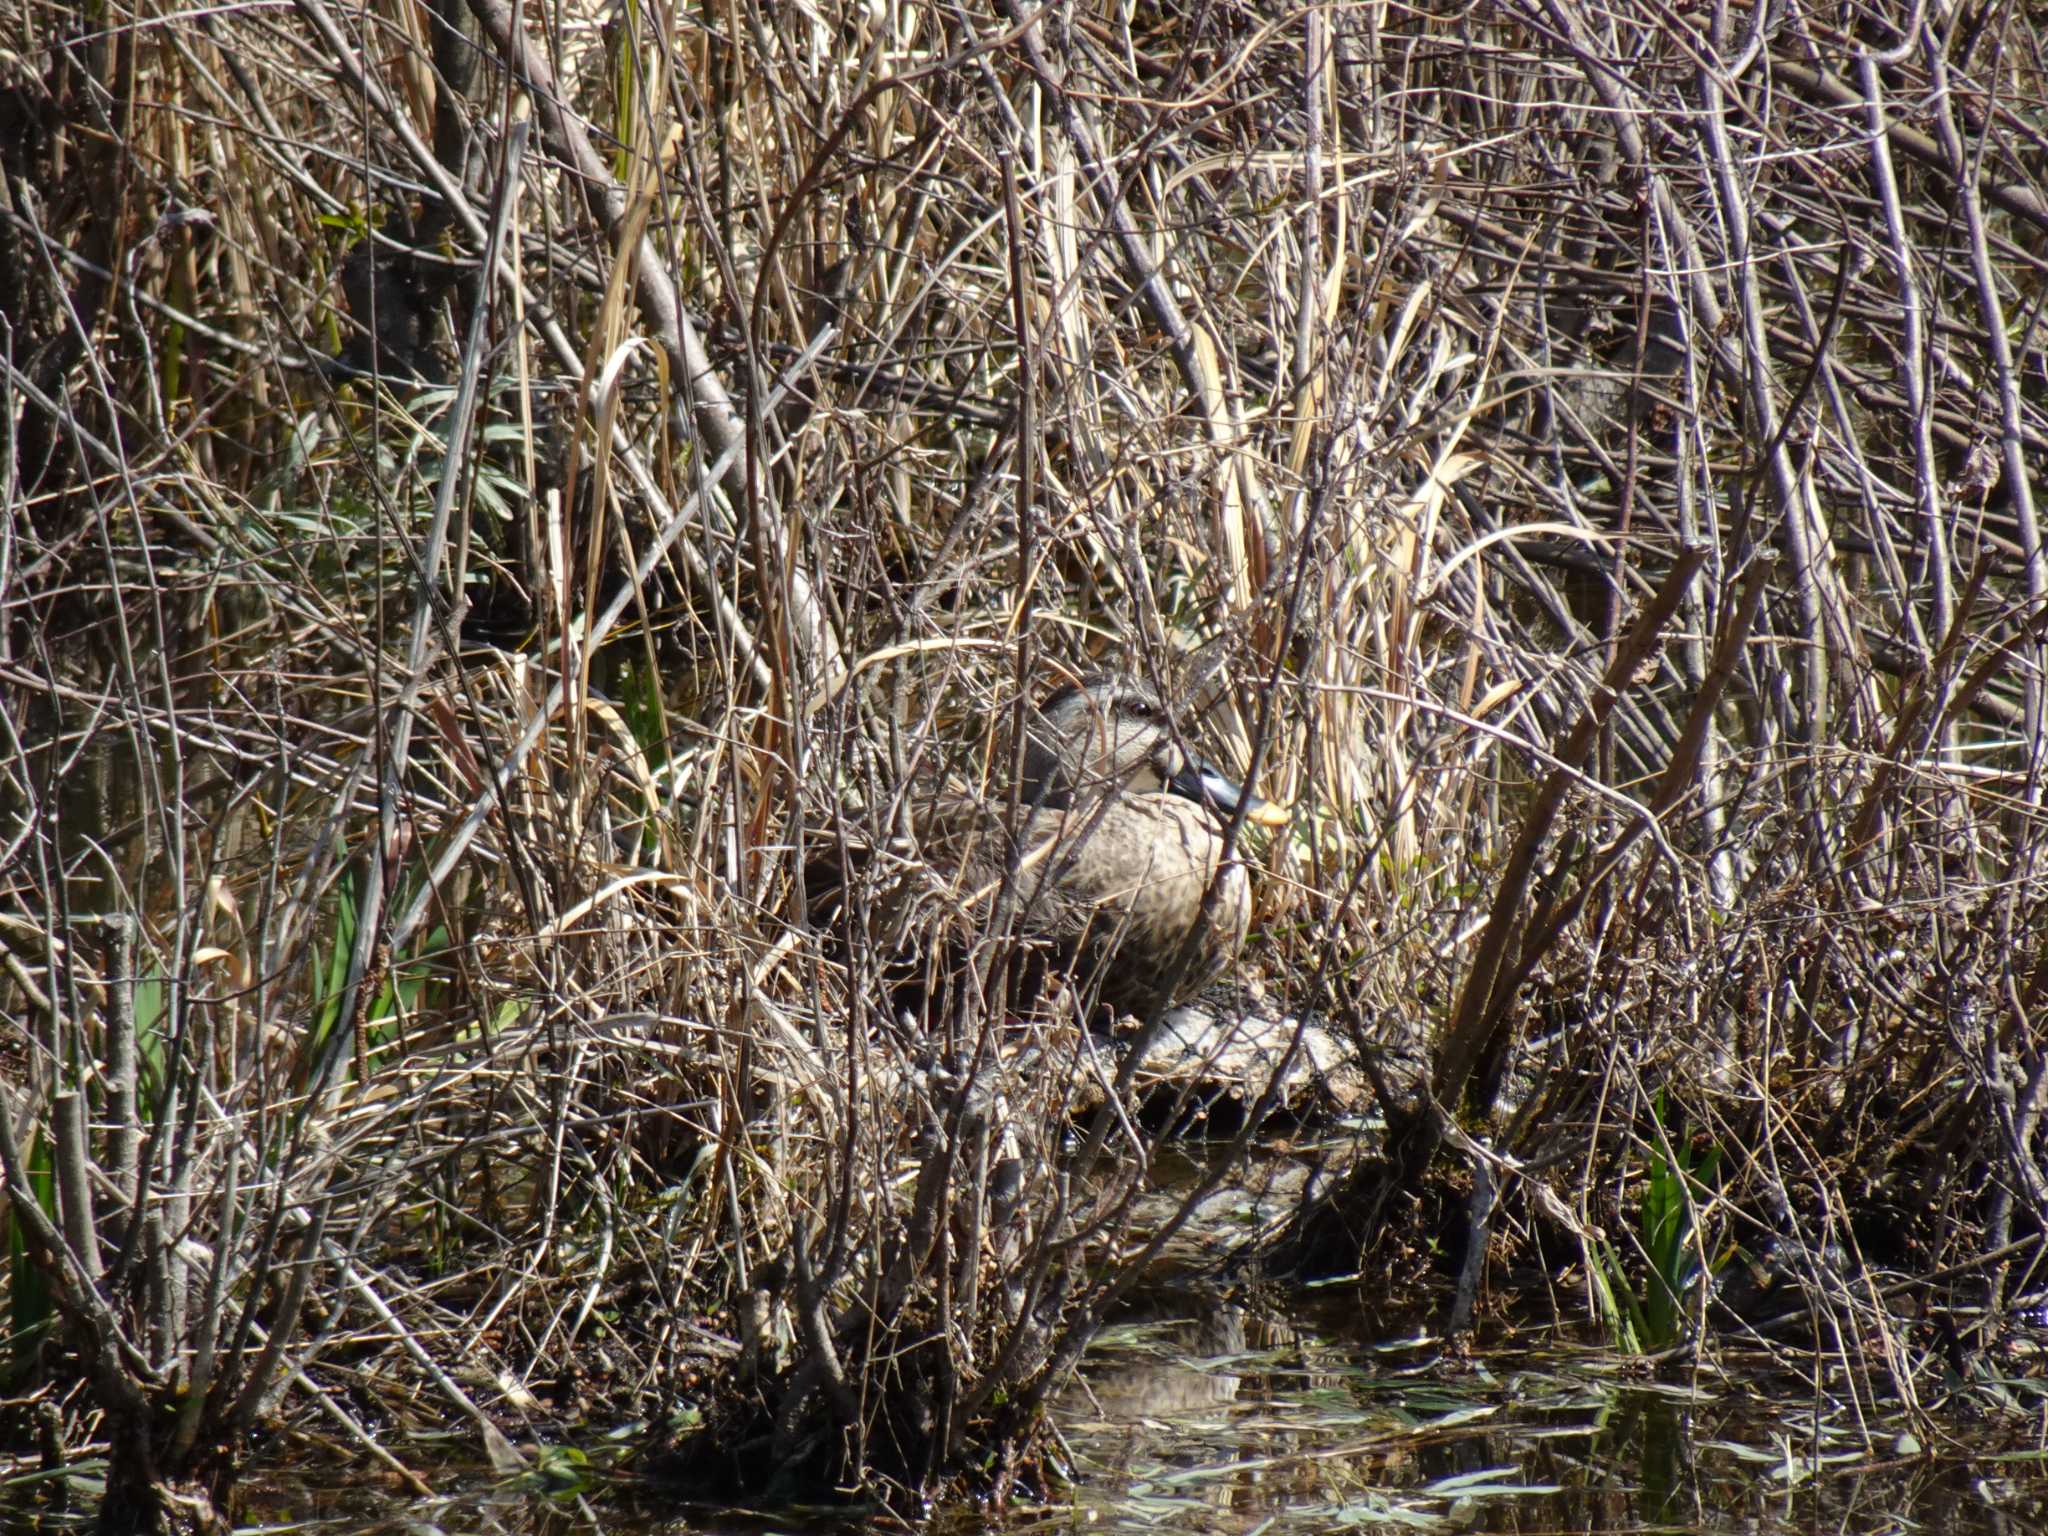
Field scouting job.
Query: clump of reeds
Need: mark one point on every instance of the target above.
(488, 497)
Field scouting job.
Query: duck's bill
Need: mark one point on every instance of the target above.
(1210, 786)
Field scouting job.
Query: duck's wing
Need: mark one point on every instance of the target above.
(916, 915)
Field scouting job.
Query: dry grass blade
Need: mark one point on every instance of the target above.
(458, 581)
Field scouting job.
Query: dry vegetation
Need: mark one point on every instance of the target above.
(489, 495)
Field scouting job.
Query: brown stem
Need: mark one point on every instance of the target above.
(1480, 1015)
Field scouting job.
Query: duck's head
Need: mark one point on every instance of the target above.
(1112, 733)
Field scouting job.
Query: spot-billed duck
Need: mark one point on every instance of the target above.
(1120, 833)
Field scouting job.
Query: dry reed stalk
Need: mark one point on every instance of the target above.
(440, 764)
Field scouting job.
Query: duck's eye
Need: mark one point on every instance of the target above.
(1140, 709)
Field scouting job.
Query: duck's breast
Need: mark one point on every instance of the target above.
(1132, 886)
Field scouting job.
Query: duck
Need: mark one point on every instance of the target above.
(1120, 831)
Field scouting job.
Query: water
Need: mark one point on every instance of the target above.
(1213, 1422)
(1528, 1434)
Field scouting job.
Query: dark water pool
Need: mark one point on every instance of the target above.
(1194, 1425)
(1298, 1434)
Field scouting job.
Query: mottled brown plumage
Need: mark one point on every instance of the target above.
(1119, 834)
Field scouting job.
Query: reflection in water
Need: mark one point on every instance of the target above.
(1211, 1419)
(1162, 1370)
(1206, 1424)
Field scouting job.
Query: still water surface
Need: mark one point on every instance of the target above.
(1308, 1437)
(1215, 1426)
